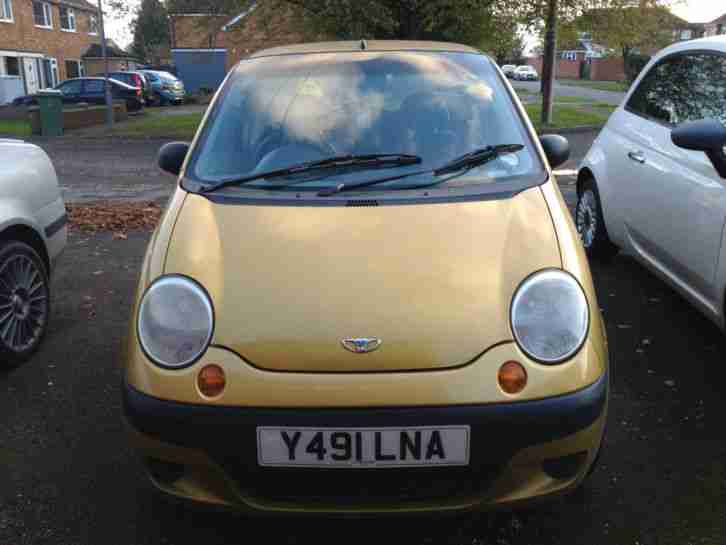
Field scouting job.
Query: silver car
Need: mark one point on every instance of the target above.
(32, 235)
(654, 181)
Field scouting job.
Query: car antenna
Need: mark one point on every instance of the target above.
(363, 45)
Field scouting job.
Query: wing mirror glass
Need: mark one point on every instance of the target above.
(556, 148)
(706, 135)
(171, 157)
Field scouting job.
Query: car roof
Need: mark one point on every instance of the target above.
(715, 43)
(98, 79)
(370, 45)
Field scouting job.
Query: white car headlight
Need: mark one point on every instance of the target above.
(550, 316)
(175, 322)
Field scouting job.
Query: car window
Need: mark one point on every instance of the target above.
(71, 87)
(686, 87)
(121, 77)
(94, 87)
(280, 111)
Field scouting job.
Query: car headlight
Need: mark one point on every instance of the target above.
(550, 316)
(175, 322)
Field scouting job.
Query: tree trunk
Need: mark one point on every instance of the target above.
(548, 63)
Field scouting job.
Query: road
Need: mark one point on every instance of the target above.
(595, 95)
(67, 475)
(103, 168)
(113, 169)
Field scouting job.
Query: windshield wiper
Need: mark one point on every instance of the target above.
(342, 161)
(464, 163)
(477, 157)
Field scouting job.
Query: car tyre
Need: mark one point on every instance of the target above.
(24, 303)
(590, 223)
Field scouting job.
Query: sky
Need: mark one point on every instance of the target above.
(700, 11)
(695, 11)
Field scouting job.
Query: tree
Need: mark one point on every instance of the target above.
(151, 31)
(503, 37)
(630, 26)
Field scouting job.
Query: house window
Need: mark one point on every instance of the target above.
(93, 25)
(6, 11)
(686, 34)
(50, 72)
(42, 15)
(721, 29)
(74, 69)
(12, 66)
(67, 19)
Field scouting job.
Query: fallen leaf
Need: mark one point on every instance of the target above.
(114, 216)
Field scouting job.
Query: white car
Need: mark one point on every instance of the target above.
(525, 72)
(654, 181)
(508, 70)
(32, 235)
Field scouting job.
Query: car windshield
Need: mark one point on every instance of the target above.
(278, 112)
(165, 76)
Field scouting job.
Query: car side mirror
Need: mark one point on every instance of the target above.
(171, 157)
(556, 148)
(707, 135)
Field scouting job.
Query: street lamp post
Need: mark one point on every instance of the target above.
(107, 84)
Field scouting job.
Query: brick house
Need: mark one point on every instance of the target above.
(716, 27)
(587, 60)
(118, 59)
(239, 34)
(205, 46)
(42, 43)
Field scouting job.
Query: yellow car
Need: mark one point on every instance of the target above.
(366, 294)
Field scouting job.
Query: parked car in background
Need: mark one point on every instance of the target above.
(92, 91)
(136, 78)
(508, 70)
(32, 236)
(525, 73)
(654, 181)
(456, 359)
(167, 88)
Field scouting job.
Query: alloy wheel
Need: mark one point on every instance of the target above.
(586, 218)
(23, 303)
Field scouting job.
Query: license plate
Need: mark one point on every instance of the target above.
(363, 447)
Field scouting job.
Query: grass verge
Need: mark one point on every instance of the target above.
(615, 86)
(565, 117)
(19, 128)
(569, 99)
(175, 126)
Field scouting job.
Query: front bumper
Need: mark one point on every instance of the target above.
(173, 96)
(519, 451)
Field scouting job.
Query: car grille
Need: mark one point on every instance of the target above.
(362, 487)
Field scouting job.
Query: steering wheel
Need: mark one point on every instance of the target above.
(271, 142)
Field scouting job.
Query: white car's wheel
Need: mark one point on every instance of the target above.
(591, 225)
(24, 302)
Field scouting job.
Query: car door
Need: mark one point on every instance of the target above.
(93, 91)
(71, 90)
(673, 201)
